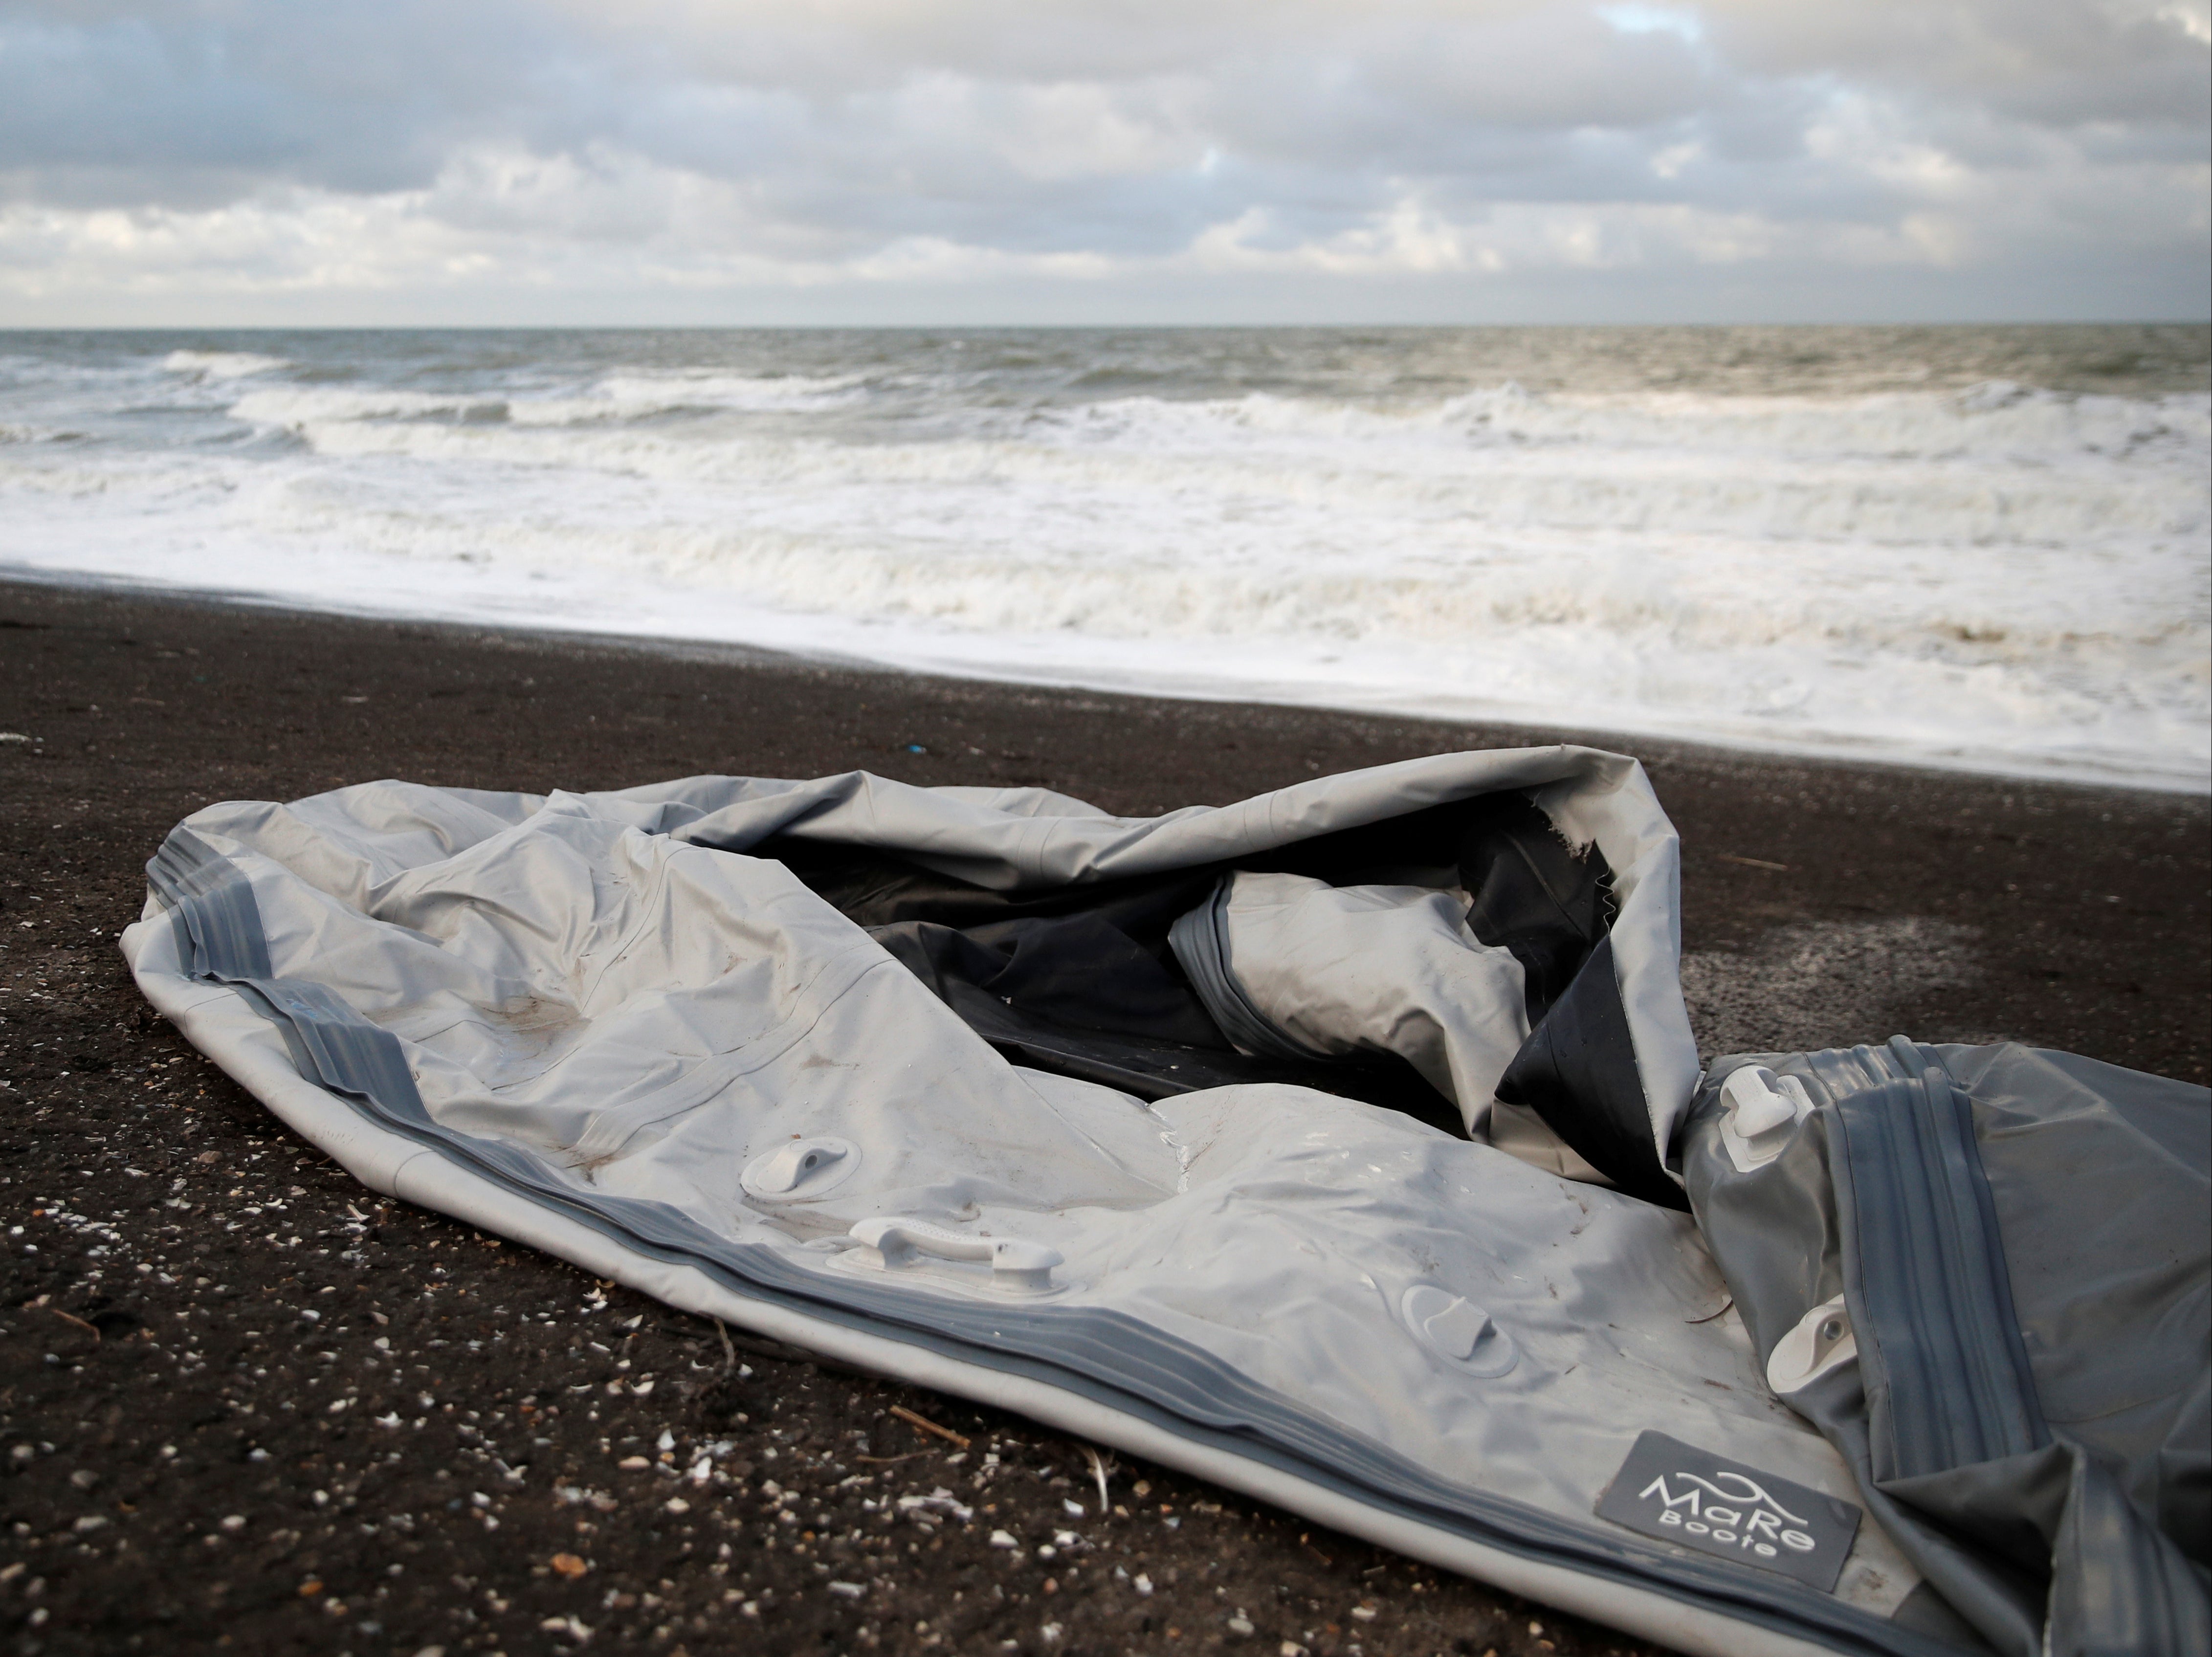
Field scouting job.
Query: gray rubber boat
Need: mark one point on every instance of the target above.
(1348, 1146)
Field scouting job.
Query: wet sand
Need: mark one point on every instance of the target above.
(1823, 904)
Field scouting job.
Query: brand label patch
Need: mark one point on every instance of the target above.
(1681, 1494)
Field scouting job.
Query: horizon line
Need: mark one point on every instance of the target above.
(1036, 327)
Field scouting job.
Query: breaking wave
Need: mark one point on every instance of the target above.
(1982, 574)
(220, 364)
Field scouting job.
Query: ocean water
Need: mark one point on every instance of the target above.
(1979, 548)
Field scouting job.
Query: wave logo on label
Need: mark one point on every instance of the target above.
(1684, 1495)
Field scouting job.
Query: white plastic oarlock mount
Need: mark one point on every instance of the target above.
(1458, 1331)
(801, 1171)
(1762, 1111)
(891, 1244)
(1822, 1341)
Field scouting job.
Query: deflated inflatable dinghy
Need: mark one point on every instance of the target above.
(1347, 1146)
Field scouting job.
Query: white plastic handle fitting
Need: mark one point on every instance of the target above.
(1017, 1267)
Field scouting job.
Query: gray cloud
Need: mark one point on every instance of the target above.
(2051, 63)
(1973, 149)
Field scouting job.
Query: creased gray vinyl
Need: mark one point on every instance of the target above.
(1291, 961)
(593, 999)
(2024, 1242)
(358, 843)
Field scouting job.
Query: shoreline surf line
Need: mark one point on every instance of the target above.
(556, 629)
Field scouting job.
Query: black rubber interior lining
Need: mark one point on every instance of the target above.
(1079, 979)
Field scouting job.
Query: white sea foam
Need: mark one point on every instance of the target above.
(220, 364)
(1988, 576)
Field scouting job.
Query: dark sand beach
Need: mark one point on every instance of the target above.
(174, 1479)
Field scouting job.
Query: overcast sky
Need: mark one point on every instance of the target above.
(229, 161)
